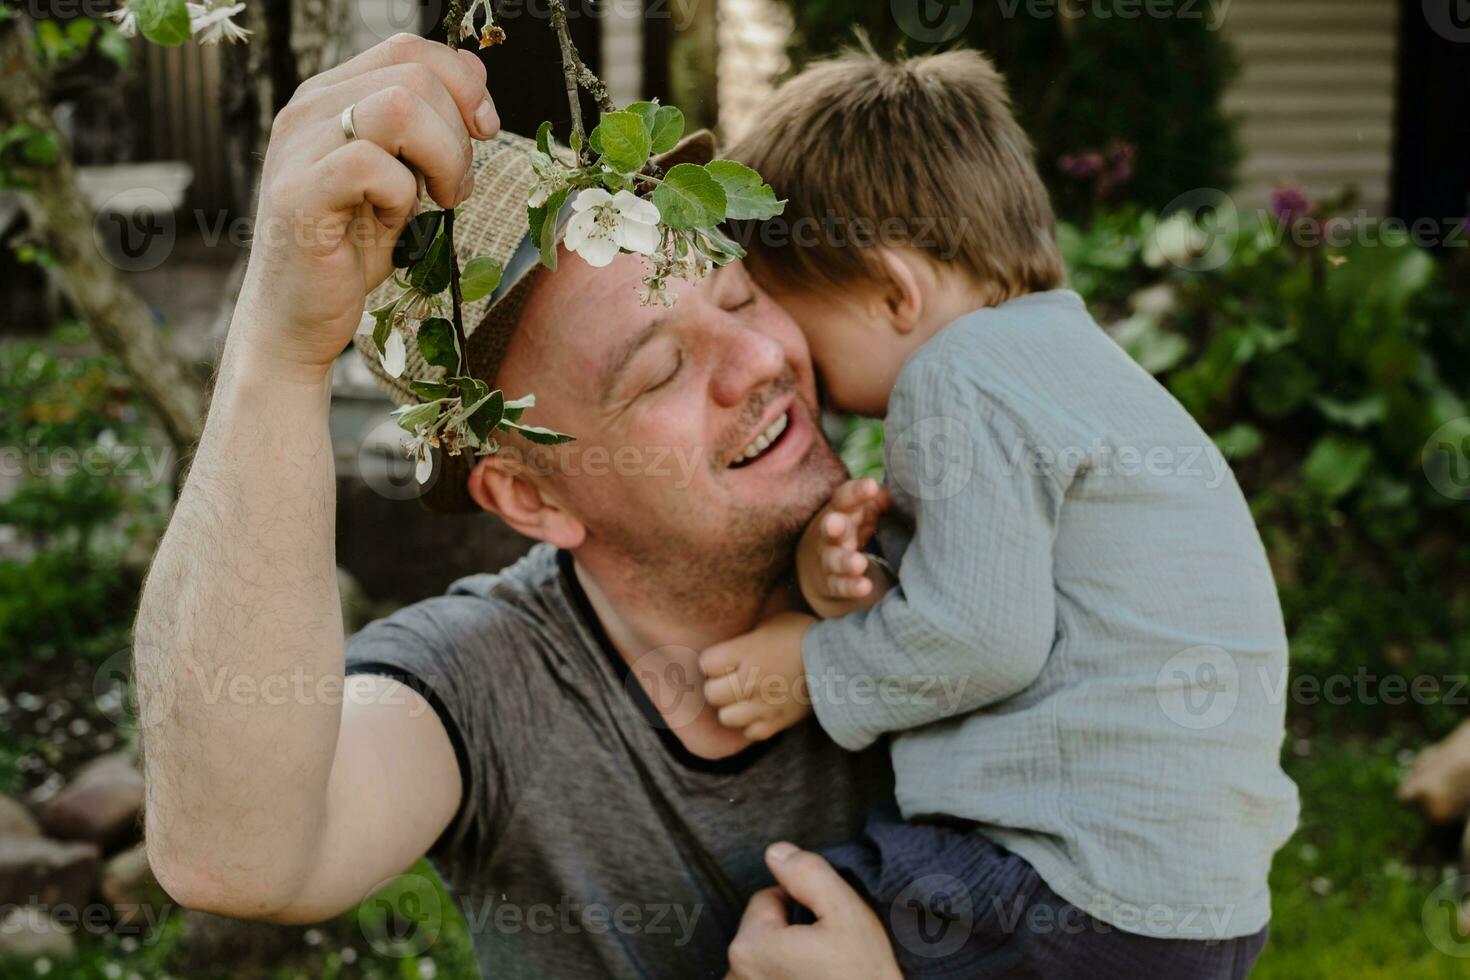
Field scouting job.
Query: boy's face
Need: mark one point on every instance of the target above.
(857, 352)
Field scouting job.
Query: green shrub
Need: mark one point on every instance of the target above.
(85, 483)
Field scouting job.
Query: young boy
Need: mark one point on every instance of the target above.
(1079, 664)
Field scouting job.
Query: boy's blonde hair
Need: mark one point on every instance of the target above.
(921, 152)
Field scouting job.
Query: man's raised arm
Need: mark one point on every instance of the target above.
(268, 795)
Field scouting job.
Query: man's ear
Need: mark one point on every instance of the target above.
(899, 298)
(502, 485)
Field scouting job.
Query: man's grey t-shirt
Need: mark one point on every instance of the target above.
(589, 842)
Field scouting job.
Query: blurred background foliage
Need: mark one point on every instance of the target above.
(1103, 98)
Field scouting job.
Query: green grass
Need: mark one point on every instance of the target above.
(1347, 899)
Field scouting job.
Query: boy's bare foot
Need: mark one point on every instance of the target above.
(1439, 780)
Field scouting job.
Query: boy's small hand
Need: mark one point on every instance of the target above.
(836, 577)
(757, 681)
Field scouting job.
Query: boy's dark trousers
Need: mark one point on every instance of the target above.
(956, 904)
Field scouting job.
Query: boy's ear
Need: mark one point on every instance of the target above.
(901, 294)
(502, 485)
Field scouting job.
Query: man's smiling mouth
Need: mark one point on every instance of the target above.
(763, 442)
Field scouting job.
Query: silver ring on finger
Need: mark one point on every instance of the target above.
(349, 130)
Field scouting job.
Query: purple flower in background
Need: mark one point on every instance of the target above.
(1289, 202)
(1119, 155)
(1087, 164)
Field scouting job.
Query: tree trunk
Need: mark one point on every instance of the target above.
(62, 224)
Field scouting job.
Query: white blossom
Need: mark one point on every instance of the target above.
(417, 448)
(210, 22)
(551, 176)
(127, 21)
(489, 34)
(394, 355)
(655, 292)
(604, 223)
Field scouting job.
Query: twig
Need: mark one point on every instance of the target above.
(460, 339)
(569, 62)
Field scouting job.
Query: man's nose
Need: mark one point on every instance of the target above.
(748, 361)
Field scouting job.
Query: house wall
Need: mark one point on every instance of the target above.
(1315, 96)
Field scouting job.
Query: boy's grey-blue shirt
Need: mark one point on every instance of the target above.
(1085, 652)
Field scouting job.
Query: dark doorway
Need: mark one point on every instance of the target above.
(1431, 171)
(524, 73)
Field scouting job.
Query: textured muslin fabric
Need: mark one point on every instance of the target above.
(1085, 652)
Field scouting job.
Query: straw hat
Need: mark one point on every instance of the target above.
(492, 222)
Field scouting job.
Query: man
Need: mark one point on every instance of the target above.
(539, 733)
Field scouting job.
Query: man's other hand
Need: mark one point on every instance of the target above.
(846, 941)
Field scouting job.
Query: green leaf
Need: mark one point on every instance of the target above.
(543, 227)
(472, 391)
(690, 198)
(80, 30)
(49, 37)
(647, 111)
(487, 415)
(437, 343)
(625, 141)
(432, 274)
(410, 417)
(1281, 384)
(746, 195)
(668, 126)
(381, 328)
(431, 390)
(41, 149)
(543, 138)
(414, 241)
(719, 246)
(164, 22)
(1155, 349)
(479, 278)
(1336, 464)
(535, 433)
(113, 46)
(1239, 441)
(1355, 415)
(516, 407)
